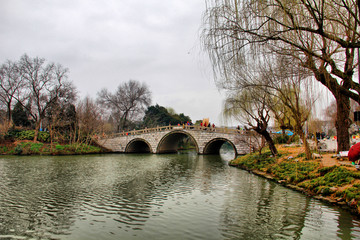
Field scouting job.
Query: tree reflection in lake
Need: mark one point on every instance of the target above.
(157, 197)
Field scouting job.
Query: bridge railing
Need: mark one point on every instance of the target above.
(175, 127)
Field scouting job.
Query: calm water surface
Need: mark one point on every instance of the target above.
(180, 196)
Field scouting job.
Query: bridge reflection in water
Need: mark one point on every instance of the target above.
(206, 140)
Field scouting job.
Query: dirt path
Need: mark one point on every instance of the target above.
(326, 160)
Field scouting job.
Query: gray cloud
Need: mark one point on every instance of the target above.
(104, 43)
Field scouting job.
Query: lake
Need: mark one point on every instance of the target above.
(148, 196)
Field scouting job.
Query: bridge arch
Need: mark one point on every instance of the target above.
(214, 145)
(169, 142)
(138, 145)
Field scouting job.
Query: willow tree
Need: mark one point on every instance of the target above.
(320, 34)
(251, 106)
(290, 87)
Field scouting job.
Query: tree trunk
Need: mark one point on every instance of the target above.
(37, 127)
(269, 141)
(306, 144)
(9, 113)
(342, 122)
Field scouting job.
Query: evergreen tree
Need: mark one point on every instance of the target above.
(160, 116)
(20, 116)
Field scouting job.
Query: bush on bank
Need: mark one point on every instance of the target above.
(38, 148)
(337, 182)
(17, 134)
(19, 142)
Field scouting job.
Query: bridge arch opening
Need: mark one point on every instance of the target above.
(214, 146)
(172, 142)
(138, 145)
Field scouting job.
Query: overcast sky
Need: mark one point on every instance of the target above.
(104, 43)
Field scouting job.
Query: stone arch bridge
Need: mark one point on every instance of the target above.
(207, 140)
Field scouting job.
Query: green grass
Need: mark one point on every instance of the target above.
(38, 148)
(330, 177)
(255, 161)
(350, 193)
(293, 170)
(307, 174)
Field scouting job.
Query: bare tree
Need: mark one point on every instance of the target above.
(46, 84)
(127, 103)
(11, 85)
(89, 119)
(321, 34)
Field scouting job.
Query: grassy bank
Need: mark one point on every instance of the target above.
(38, 148)
(335, 184)
(18, 141)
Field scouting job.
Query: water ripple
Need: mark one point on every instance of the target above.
(156, 197)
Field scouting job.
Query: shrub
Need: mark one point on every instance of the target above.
(324, 190)
(16, 134)
(26, 135)
(11, 134)
(255, 161)
(331, 177)
(281, 139)
(44, 137)
(18, 149)
(293, 170)
(59, 147)
(36, 147)
(351, 193)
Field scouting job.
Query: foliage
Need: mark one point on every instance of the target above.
(235, 31)
(308, 175)
(76, 148)
(255, 161)
(351, 193)
(18, 149)
(19, 116)
(16, 134)
(11, 134)
(281, 139)
(293, 170)
(330, 177)
(160, 116)
(3, 149)
(59, 147)
(37, 148)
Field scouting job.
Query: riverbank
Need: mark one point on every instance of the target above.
(26, 147)
(330, 179)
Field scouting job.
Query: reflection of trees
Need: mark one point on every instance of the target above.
(329, 222)
(152, 184)
(41, 196)
(35, 197)
(259, 209)
(206, 172)
(44, 198)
